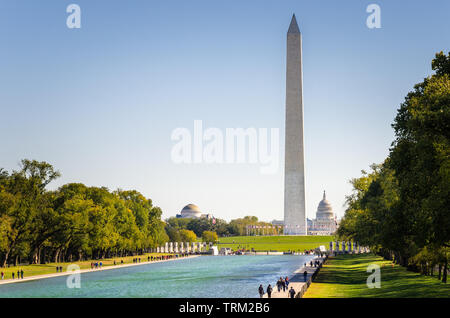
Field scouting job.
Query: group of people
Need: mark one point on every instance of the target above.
(291, 292)
(96, 265)
(59, 269)
(316, 263)
(283, 284)
(19, 274)
(137, 260)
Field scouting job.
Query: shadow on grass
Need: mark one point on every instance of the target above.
(346, 275)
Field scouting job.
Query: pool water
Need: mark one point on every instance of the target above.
(201, 277)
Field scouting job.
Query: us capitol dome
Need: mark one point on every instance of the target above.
(324, 210)
(325, 221)
(193, 212)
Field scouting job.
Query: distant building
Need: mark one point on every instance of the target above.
(309, 223)
(193, 212)
(277, 222)
(325, 222)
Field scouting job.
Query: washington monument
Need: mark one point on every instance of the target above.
(294, 167)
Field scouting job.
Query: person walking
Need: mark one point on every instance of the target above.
(261, 291)
(18, 274)
(283, 284)
(287, 282)
(3, 276)
(269, 291)
(292, 292)
(279, 285)
(12, 275)
(21, 273)
(305, 274)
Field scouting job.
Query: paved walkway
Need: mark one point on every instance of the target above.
(36, 277)
(296, 281)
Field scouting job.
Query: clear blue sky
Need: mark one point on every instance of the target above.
(100, 102)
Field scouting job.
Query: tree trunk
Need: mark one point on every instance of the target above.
(444, 275)
(440, 271)
(56, 256)
(32, 256)
(38, 256)
(43, 257)
(5, 260)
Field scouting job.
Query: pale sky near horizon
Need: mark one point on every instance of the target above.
(100, 102)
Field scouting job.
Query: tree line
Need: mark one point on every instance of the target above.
(176, 227)
(401, 208)
(75, 222)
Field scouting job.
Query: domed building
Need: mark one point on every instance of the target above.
(325, 222)
(192, 211)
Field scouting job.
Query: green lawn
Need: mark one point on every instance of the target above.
(275, 243)
(50, 268)
(346, 276)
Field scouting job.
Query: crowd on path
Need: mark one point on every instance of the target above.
(282, 284)
(137, 260)
(19, 274)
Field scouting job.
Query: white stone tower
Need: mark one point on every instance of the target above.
(294, 168)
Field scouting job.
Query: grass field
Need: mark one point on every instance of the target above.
(346, 276)
(275, 243)
(50, 268)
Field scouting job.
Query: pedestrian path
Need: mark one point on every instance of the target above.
(297, 281)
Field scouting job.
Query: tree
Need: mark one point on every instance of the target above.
(173, 234)
(40, 172)
(420, 158)
(239, 226)
(400, 209)
(187, 236)
(25, 204)
(73, 222)
(209, 236)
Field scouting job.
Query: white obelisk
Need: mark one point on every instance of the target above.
(294, 173)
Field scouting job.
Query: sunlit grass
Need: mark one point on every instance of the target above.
(346, 276)
(50, 268)
(275, 243)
